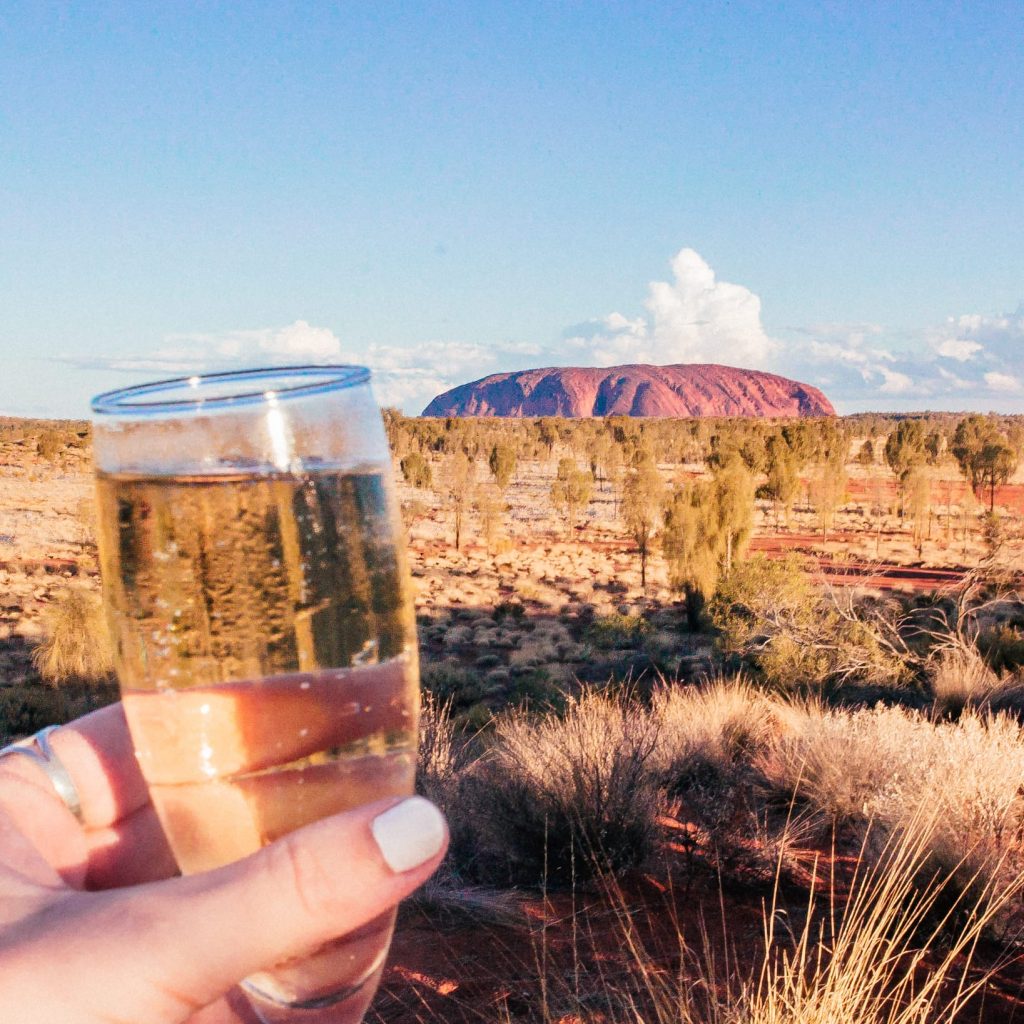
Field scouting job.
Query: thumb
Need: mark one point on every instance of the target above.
(191, 939)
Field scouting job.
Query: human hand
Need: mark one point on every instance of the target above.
(94, 928)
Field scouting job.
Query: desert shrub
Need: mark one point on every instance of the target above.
(450, 682)
(534, 652)
(539, 689)
(707, 737)
(616, 630)
(715, 725)
(960, 678)
(475, 719)
(76, 645)
(458, 636)
(416, 470)
(509, 610)
(796, 636)
(1002, 647)
(558, 798)
(50, 444)
(890, 766)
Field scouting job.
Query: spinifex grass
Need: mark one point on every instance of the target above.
(898, 950)
(894, 943)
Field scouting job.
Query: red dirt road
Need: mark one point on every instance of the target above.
(877, 575)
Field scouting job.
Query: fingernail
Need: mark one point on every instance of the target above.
(409, 833)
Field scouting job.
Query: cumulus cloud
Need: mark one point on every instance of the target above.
(1002, 381)
(958, 349)
(972, 359)
(693, 318)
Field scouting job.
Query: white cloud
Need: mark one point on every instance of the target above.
(697, 318)
(408, 377)
(1002, 382)
(296, 341)
(894, 382)
(958, 349)
(691, 319)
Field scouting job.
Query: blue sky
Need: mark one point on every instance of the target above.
(828, 190)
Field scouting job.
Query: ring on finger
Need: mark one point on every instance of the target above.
(37, 748)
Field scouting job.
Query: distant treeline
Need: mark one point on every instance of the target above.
(681, 441)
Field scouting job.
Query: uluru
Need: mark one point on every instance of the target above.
(682, 390)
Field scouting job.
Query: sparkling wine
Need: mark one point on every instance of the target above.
(265, 646)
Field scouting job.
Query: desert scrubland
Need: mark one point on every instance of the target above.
(726, 715)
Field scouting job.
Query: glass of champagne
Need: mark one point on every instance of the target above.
(255, 585)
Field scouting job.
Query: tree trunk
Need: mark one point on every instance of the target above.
(694, 608)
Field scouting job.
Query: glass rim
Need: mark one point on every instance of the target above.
(130, 401)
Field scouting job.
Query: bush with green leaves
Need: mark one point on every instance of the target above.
(796, 635)
(617, 631)
(502, 464)
(451, 683)
(416, 470)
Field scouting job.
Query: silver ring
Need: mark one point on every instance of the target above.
(37, 748)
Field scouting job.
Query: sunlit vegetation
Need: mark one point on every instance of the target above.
(773, 669)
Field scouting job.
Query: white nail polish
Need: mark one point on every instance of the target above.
(409, 833)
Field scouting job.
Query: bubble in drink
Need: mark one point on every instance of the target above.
(266, 651)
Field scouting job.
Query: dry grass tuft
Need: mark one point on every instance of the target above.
(77, 645)
(438, 759)
(555, 799)
(883, 953)
(888, 766)
(715, 724)
(961, 678)
(886, 956)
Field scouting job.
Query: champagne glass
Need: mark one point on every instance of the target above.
(256, 589)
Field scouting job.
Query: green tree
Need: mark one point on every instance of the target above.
(783, 476)
(490, 507)
(984, 455)
(919, 502)
(691, 545)
(828, 491)
(734, 497)
(641, 509)
(416, 470)
(571, 491)
(502, 463)
(800, 438)
(935, 446)
(866, 455)
(547, 434)
(905, 451)
(457, 482)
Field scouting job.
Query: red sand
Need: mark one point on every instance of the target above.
(487, 974)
